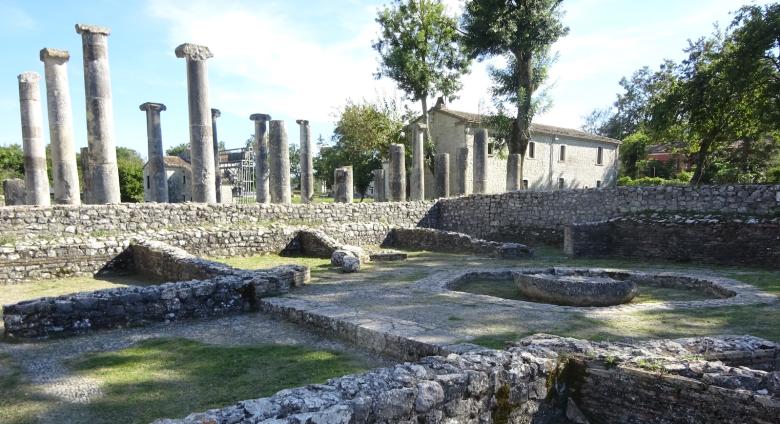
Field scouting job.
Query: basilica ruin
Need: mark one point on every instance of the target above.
(406, 273)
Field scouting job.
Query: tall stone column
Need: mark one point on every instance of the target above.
(279, 163)
(462, 167)
(379, 185)
(417, 177)
(307, 162)
(442, 175)
(262, 171)
(201, 138)
(157, 186)
(36, 180)
(513, 172)
(215, 113)
(100, 115)
(342, 185)
(397, 177)
(480, 160)
(86, 170)
(63, 151)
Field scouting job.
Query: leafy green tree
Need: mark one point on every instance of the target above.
(295, 165)
(419, 48)
(178, 149)
(521, 31)
(363, 134)
(633, 150)
(131, 175)
(11, 163)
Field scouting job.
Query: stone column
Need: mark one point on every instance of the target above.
(201, 139)
(262, 172)
(397, 177)
(63, 151)
(104, 174)
(379, 185)
(36, 180)
(14, 192)
(513, 172)
(417, 176)
(480, 160)
(342, 185)
(442, 175)
(86, 170)
(215, 113)
(157, 186)
(307, 162)
(279, 163)
(462, 166)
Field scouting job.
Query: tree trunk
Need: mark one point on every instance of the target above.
(522, 131)
(426, 117)
(700, 161)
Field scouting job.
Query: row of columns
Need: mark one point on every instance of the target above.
(394, 180)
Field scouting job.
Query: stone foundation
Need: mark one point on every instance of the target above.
(449, 241)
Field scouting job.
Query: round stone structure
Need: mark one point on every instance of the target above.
(575, 289)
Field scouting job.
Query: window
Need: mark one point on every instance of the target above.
(525, 184)
(598, 183)
(600, 156)
(184, 179)
(562, 154)
(148, 184)
(561, 183)
(531, 150)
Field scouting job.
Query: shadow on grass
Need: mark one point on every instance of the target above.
(172, 377)
(20, 403)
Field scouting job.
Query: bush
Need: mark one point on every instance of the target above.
(651, 181)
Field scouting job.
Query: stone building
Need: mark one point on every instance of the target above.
(557, 158)
(179, 175)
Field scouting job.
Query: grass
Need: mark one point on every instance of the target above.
(165, 378)
(316, 265)
(647, 294)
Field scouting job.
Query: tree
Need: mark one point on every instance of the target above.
(295, 165)
(178, 149)
(362, 136)
(131, 174)
(633, 150)
(521, 31)
(11, 163)
(419, 48)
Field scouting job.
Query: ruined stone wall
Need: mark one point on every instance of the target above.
(700, 238)
(41, 259)
(135, 217)
(533, 217)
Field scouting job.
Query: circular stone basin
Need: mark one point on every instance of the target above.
(575, 290)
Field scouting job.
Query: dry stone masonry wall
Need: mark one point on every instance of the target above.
(735, 240)
(450, 241)
(539, 216)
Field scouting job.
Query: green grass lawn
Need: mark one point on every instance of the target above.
(316, 265)
(162, 378)
(647, 294)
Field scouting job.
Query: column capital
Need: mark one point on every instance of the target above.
(262, 117)
(193, 52)
(28, 77)
(215, 113)
(303, 122)
(92, 29)
(153, 106)
(54, 55)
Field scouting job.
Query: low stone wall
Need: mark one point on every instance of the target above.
(215, 289)
(539, 216)
(450, 241)
(735, 240)
(133, 218)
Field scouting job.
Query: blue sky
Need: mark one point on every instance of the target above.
(303, 59)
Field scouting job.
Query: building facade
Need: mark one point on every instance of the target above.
(179, 175)
(557, 158)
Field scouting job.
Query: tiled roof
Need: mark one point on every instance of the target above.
(173, 162)
(473, 118)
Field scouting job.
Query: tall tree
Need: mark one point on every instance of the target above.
(419, 48)
(522, 31)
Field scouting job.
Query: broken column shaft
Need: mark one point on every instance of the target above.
(36, 179)
(100, 115)
(63, 151)
(215, 113)
(397, 177)
(307, 162)
(157, 183)
(342, 182)
(379, 185)
(417, 177)
(262, 171)
(279, 163)
(442, 175)
(480, 160)
(462, 165)
(201, 139)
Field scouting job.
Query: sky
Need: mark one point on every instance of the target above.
(303, 59)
